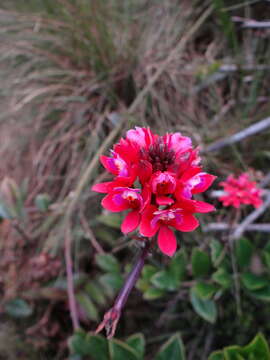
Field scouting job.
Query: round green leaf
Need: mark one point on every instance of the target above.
(42, 202)
(205, 290)
(222, 277)
(216, 251)
(165, 280)
(88, 306)
(204, 307)
(137, 342)
(243, 252)
(201, 263)
(120, 351)
(18, 308)
(153, 293)
(89, 345)
(172, 349)
(108, 262)
(254, 282)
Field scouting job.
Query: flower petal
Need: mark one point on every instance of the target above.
(130, 222)
(102, 187)
(205, 180)
(203, 207)
(164, 200)
(166, 240)
(108, 163)
(144, 171)
(146, 229)
(187, 223)
(110, 204)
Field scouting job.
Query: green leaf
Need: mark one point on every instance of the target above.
(165, 280)
(267, 247)
(88, 306)
(4, 212)
(243, 252)
(258, 347)
(204, 290)
(254, 282)
(217, 355)
(42, 202)
(111, 220)
(94, 345)
(266, 258)
(61, 283)
(222, 277)
(18, 308)
(137, 342)
(203, 307)
(120, 351)
(75, 357)
(226, 23)
(142, 285)
(96, 293)
(113, 282)
(233, 353)
(172, 349)
(148, 271)
(108, 262)
(262, 294)
(216, 251)
(177, 266)
(200, 262)
(106, 235)
(153, 293)
(144, 282)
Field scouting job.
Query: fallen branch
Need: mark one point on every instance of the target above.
(241, 228)
(263, 227)
(251, 24)
(251, 130)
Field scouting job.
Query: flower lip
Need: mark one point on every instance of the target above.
(163, 183)
(165, 216)
(129, 195)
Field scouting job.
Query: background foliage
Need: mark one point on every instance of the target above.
(75, 75)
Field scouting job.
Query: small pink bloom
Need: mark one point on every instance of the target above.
(240, 190)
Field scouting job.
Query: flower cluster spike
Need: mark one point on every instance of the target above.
(155, 178)
(241, 190)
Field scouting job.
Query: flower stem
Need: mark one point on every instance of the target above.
(112, 316)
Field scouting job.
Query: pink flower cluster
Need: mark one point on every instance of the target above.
(155, 178)
(241, 190)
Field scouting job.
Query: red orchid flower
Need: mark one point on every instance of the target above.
(167, 173)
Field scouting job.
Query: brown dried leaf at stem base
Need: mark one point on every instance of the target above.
(109, 322)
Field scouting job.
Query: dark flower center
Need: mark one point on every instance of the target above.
(160, 156)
